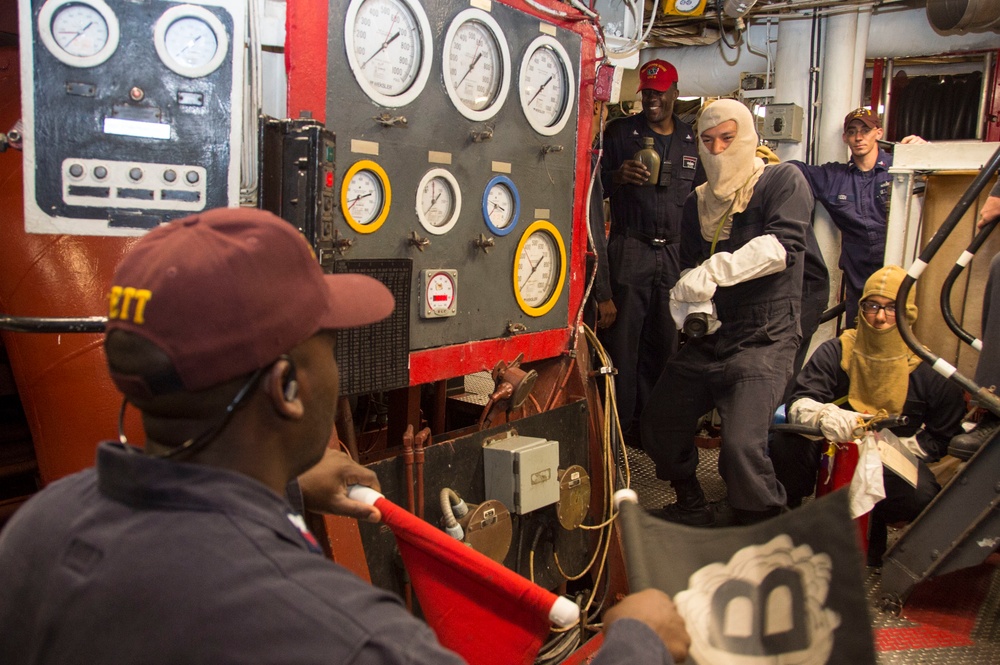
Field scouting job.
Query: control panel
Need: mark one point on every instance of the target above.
(131, 112)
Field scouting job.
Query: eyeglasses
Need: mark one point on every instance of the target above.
(871, 307)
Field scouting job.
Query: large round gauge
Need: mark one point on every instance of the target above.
(79, 33)
(190, 40)
(439, 201)
(389, 49)
(539, 268)
(546, 86)
(365, 196)
(476, 64)
(501, 205)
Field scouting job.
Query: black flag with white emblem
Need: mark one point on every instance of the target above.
(787, 591)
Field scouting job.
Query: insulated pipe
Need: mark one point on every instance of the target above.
(452, 507)
(841, 92)
(791, 78)
(708, 71)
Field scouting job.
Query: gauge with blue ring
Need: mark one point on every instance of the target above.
(501, 205)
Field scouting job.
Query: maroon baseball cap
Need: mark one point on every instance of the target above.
(867, 116)
(657, 75)
(227, 291)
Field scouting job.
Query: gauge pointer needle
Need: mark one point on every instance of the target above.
(382, 48)
(540, 88)
(471, 67)
(356, 199)
(189, 44)
(433, 202)
(534, 267)
(82, 30)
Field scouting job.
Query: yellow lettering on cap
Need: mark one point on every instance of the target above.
(142, 296)
(114, 301)
(121, 300)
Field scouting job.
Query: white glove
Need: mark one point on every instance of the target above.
(695, 285)
(680, 310)
(834, 423)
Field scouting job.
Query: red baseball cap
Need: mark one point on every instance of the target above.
(657, 75)
(227, 291)
(867, 116)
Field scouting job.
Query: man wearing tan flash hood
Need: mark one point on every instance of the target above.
(743, 237)
(875, 371)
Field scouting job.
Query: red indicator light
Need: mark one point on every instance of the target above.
(329, 179)
(439, 298)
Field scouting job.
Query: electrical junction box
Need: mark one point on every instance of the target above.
(523, 472)
(782, 122)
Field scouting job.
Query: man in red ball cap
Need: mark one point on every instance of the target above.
(634, 308)
(220, 332)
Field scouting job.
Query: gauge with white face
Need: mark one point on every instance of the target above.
(365, 196)
(546, 86)
(190, 40)
(388, 49)
(476, 64)
(539, 268)
(80, 34)
(501, 205)
(439, 201)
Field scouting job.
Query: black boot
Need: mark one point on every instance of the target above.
(965, 445)
(691, 507)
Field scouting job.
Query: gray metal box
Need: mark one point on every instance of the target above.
(522, 471)
(782, 122)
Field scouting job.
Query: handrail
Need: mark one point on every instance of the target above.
(41, 324)
(949, 282)
(982, 395)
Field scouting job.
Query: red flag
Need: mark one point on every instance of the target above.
(486, 613)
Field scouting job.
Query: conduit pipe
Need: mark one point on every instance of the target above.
(791, 77)
(713, 70)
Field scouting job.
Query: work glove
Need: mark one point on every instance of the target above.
(834, 423)
(760, 257)
(680, 311)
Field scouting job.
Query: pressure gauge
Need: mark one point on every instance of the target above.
(79, 34)
(501, 205)
(439, 201)
(476, 64)
(546, 86)
(190, 40)
(539, 268)
(440, 290)
(365, 196)
(389, 49)
(685, 7)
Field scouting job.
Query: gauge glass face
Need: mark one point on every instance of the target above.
(365, 197)
(191, 42)
(538, 269)
(437, 202)
(387, 45)
(440, 292)
(544, 88)
(686, 5)
(500, 205)
(475, 68)
(80, 30)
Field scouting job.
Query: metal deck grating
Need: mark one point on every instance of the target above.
(953, 620)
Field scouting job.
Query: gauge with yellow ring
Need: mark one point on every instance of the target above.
(539, 268)
(365, 196)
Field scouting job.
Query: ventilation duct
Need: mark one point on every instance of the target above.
(964, 15)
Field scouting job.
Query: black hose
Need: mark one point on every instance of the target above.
(984, 397)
